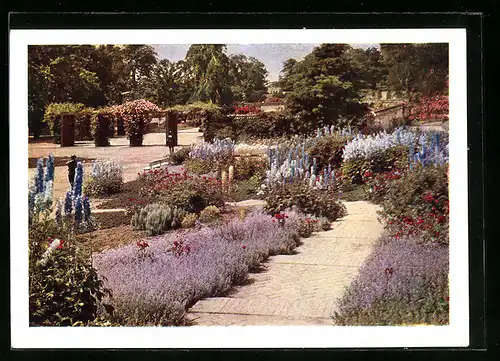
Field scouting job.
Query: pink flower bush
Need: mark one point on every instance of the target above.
(246, 109)
(430, 108)
(136, 115)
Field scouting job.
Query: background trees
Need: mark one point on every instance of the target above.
(324, 88)
(421, 68)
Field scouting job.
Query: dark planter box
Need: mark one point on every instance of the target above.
(135, 140)
(101, 142)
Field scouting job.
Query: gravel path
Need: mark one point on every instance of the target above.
(299, 289)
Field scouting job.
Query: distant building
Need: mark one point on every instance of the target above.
(273, 88)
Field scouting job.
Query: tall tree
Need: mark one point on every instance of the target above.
(421, 68)
(369, 65)
(249, 78)
(59, 74)
(208, 66)
(324, 88)
(167, 84)
(140, 61)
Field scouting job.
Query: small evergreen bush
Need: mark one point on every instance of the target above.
(179, 156)
(157, 218)
(308, 200)
(210, 215)
(189, 220)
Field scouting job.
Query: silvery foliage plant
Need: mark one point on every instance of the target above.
(106, 177)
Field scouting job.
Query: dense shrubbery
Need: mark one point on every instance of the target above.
(65, 289)
(199, 166)
(328, 150)
(53, 115)
(102, 124)
(196, 113)
(179, 156)
(170, 273)
(308, 200)
(190, 193)
(418, 204)
(246, 189)
(189, 220)
(156, 218)
(402, 283)
(246, 167)
(106, 178)
(210, 215)
(358, 169)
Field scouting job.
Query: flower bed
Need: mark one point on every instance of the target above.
(402, 283)
(154, 283)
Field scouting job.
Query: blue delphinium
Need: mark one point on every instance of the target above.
(77, 190)
(31, 202)
(68, 203)
(78, 210)
(49, 168)
(39, 175)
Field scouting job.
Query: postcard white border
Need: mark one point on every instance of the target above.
(454, 335)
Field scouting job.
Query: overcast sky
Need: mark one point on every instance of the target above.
(272, 55)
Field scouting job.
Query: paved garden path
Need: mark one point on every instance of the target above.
(133, 159)
(299, 289)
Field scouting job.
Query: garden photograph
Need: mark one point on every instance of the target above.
(222, 184)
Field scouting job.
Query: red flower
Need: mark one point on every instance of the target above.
(244, 247)
(61, 242)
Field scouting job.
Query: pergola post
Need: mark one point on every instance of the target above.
(171, 125)
(67, 130)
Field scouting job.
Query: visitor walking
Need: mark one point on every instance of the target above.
(71, 170)
(170, 141)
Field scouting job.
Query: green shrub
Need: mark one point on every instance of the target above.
(247, 167)
(53, 115)
(225, 132)
(321, 203)
(64, 288)
(179, 156)
(328, 150)
(246, 189)
(210, 215)
(189, 220)
(198, 166)
(193, 196)
(156, 218)
(356, 170)
(418, 204)
(102, 124)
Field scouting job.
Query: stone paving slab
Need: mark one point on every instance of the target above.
(299, 289)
